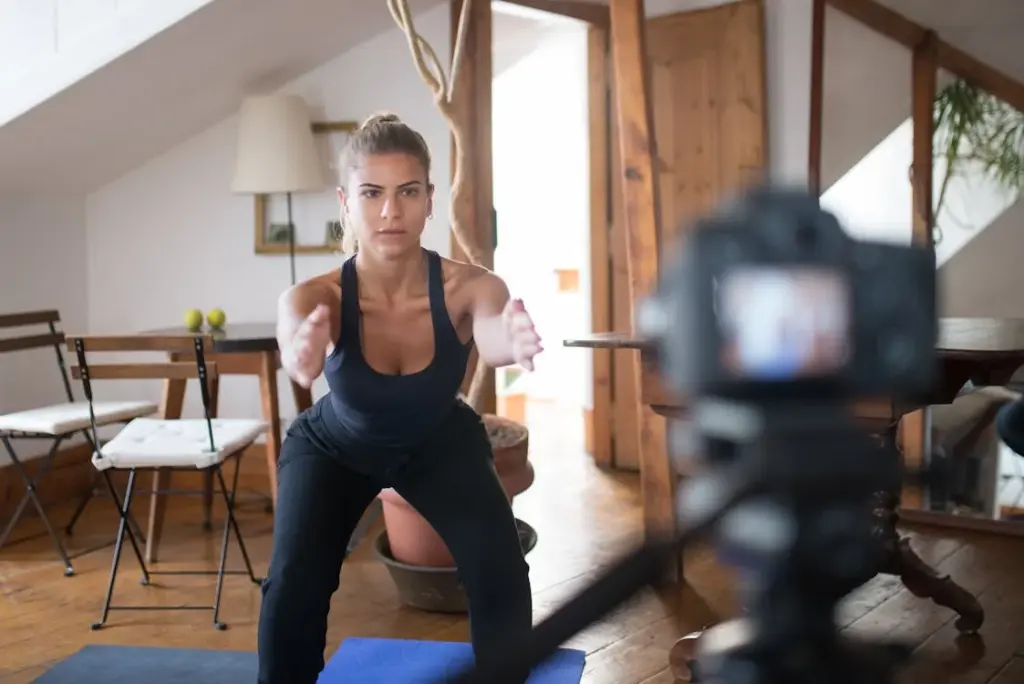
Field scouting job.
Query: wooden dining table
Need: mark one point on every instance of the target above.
(238, 349)
(985, 351)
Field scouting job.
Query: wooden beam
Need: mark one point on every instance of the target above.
(977, 73)
(924, 75)
(641, 203)
(817, 95)
(880, 18)
(584, 11)
(598, 88)
(909, 33)
(472, 109)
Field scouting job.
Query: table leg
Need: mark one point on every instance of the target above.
(918, 577)
(171, 405)
(303, 397)
(271, 414)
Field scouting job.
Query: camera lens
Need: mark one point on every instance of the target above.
(806, 237)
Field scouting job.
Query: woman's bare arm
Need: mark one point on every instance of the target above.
(310, 310)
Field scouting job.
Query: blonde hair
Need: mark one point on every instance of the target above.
(381, 133)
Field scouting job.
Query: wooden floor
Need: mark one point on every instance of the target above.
(584, 518)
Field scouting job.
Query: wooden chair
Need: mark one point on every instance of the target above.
(57, 422)
(172, 444)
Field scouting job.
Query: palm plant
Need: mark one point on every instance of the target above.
(976, 130)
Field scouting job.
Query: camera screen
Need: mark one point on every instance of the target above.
(781, 323)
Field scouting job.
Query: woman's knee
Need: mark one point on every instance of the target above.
(492, 557)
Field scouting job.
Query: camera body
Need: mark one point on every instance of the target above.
(771, 300)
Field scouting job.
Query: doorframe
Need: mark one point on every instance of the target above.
(598, 420)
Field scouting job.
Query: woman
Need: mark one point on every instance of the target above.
(392, 334)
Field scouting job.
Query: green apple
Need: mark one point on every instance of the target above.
(216, 319)
(193, 319)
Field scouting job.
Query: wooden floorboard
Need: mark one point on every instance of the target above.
(584, 517)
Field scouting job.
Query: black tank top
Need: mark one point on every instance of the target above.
(381, 409)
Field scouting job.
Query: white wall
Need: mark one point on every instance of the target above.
(42, 266)
(542, 198)
(874, 197)
(170, 236)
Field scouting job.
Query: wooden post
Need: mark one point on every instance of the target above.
(472, 109)
(600, 424)
(924, 72)
(640, 200)
(817, 95)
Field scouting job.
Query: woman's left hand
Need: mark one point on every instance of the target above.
(522, 334)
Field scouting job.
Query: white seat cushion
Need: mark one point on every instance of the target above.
(63, 419)
(156, 443)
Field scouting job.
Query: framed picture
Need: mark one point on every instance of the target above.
(314, 215)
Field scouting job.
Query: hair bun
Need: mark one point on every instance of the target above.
(381, 118)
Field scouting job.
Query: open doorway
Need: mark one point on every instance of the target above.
(540, 129)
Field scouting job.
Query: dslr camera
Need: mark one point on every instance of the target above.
(771, 300)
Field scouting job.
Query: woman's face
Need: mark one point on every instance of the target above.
(386, 203)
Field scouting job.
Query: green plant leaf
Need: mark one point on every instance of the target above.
(976, 130)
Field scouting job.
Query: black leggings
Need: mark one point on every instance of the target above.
(323, 489)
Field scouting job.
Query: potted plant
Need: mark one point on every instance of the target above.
(418, 559)
(413, 541)
(974, 130)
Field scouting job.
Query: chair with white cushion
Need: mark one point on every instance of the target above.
(57, 423)
(204, 444)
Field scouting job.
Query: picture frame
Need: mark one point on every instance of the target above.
(317, 230)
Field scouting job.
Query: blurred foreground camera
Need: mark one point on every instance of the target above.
(771, 299)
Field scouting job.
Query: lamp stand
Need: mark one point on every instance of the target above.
(291, 237)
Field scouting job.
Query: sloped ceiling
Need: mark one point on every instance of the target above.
(514, 35)
(196, 73)
(177, 84)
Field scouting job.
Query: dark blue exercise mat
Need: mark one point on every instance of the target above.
(132, 664)
(357, 661)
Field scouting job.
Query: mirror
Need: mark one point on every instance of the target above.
(978, 176)
(864, 161)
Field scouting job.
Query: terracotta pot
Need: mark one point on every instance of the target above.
(411, 538)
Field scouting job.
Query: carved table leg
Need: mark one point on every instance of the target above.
(683, 657)
(918, 577)
(900, 559)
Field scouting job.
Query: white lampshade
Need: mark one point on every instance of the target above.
(276, 151)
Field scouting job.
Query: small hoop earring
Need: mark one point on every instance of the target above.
(430, 216)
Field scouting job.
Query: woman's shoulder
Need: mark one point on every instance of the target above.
(467, 285)
(461, 273)
(322, 289)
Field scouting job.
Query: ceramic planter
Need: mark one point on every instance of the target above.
(413, 541)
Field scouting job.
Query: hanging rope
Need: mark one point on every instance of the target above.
(429, 67)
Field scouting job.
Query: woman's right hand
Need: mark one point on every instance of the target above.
(309, 346)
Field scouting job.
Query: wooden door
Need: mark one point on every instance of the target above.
(707, 79)
(708, 95)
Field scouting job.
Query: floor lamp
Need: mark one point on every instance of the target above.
(277, 153)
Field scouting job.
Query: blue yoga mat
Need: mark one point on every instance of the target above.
(421, 662)
(357, 661)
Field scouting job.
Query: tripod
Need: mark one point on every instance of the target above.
(798, 528)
